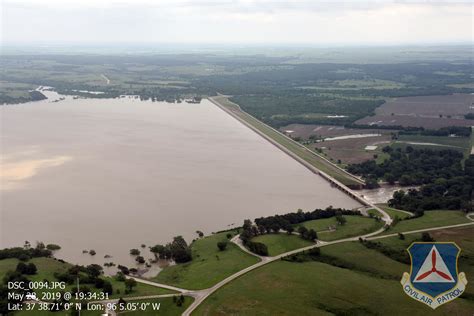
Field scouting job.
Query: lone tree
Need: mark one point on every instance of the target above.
(129, 285)
(222, 245)
(312, 235)
(340, 219)
(426, 237)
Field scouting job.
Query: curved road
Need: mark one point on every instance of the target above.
(201, 295)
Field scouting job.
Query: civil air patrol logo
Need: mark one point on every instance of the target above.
(434, 279)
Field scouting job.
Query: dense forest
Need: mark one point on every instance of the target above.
(273, 89)
(445, 184)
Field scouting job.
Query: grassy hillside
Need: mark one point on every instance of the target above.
(209, 265)
(370, 287)
(280, 243)
(355, 225)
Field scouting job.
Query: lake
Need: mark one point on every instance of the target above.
(112, 174)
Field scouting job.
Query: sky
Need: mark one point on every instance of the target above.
(236, 21)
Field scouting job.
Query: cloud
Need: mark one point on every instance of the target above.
(226, 21)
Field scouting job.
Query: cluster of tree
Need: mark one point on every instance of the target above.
(7, 295)
(412, 166)
(26, 268)
(256, 247)
(460, 131)
(444, 182)
(177, 250)
(178, 300)
(26, 252)
(285, 222)
(385, 127)
(312, 254)
(469, 116)
(248, 232)
(37, 96)
(395, 254)
(307, 234)
(87, 276)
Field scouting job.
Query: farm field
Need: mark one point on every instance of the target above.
(341, 150)
(430, 112)
(209, 266)
(355, 225)
(280, 243)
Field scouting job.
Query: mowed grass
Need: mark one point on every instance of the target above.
(299, 150)
(393, 211)
(209, 265)
(280, 243)
(313, 288)
(428, 220)
(355, 225)
(48, 266)
(357, 254)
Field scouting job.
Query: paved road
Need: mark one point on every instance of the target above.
(201, 295)
(165, 286)
(265, 260)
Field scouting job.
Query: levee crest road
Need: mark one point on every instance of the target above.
(434, 278)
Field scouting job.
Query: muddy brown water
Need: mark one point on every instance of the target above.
(112, 174)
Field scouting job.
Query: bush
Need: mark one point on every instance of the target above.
(24, 268)
(257, 247)
(134, 252)
(53, 247)
(426, 237)
(222, 245)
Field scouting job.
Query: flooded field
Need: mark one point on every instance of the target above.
(112, 174)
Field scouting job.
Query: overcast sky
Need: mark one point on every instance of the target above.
(236, 21)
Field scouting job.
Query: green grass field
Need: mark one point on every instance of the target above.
(355, 225)
(301, 151)
(209, 265)
(48, 266)
(429, 219)
(357, 254)
(313, 288)
(443, 142)
(393, 211)
(144, 307)
(322, 289)
(280, 243)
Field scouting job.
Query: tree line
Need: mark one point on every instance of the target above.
(445, 184)
(286, 222)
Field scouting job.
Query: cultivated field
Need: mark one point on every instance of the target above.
(335, 147)
(430, 112)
